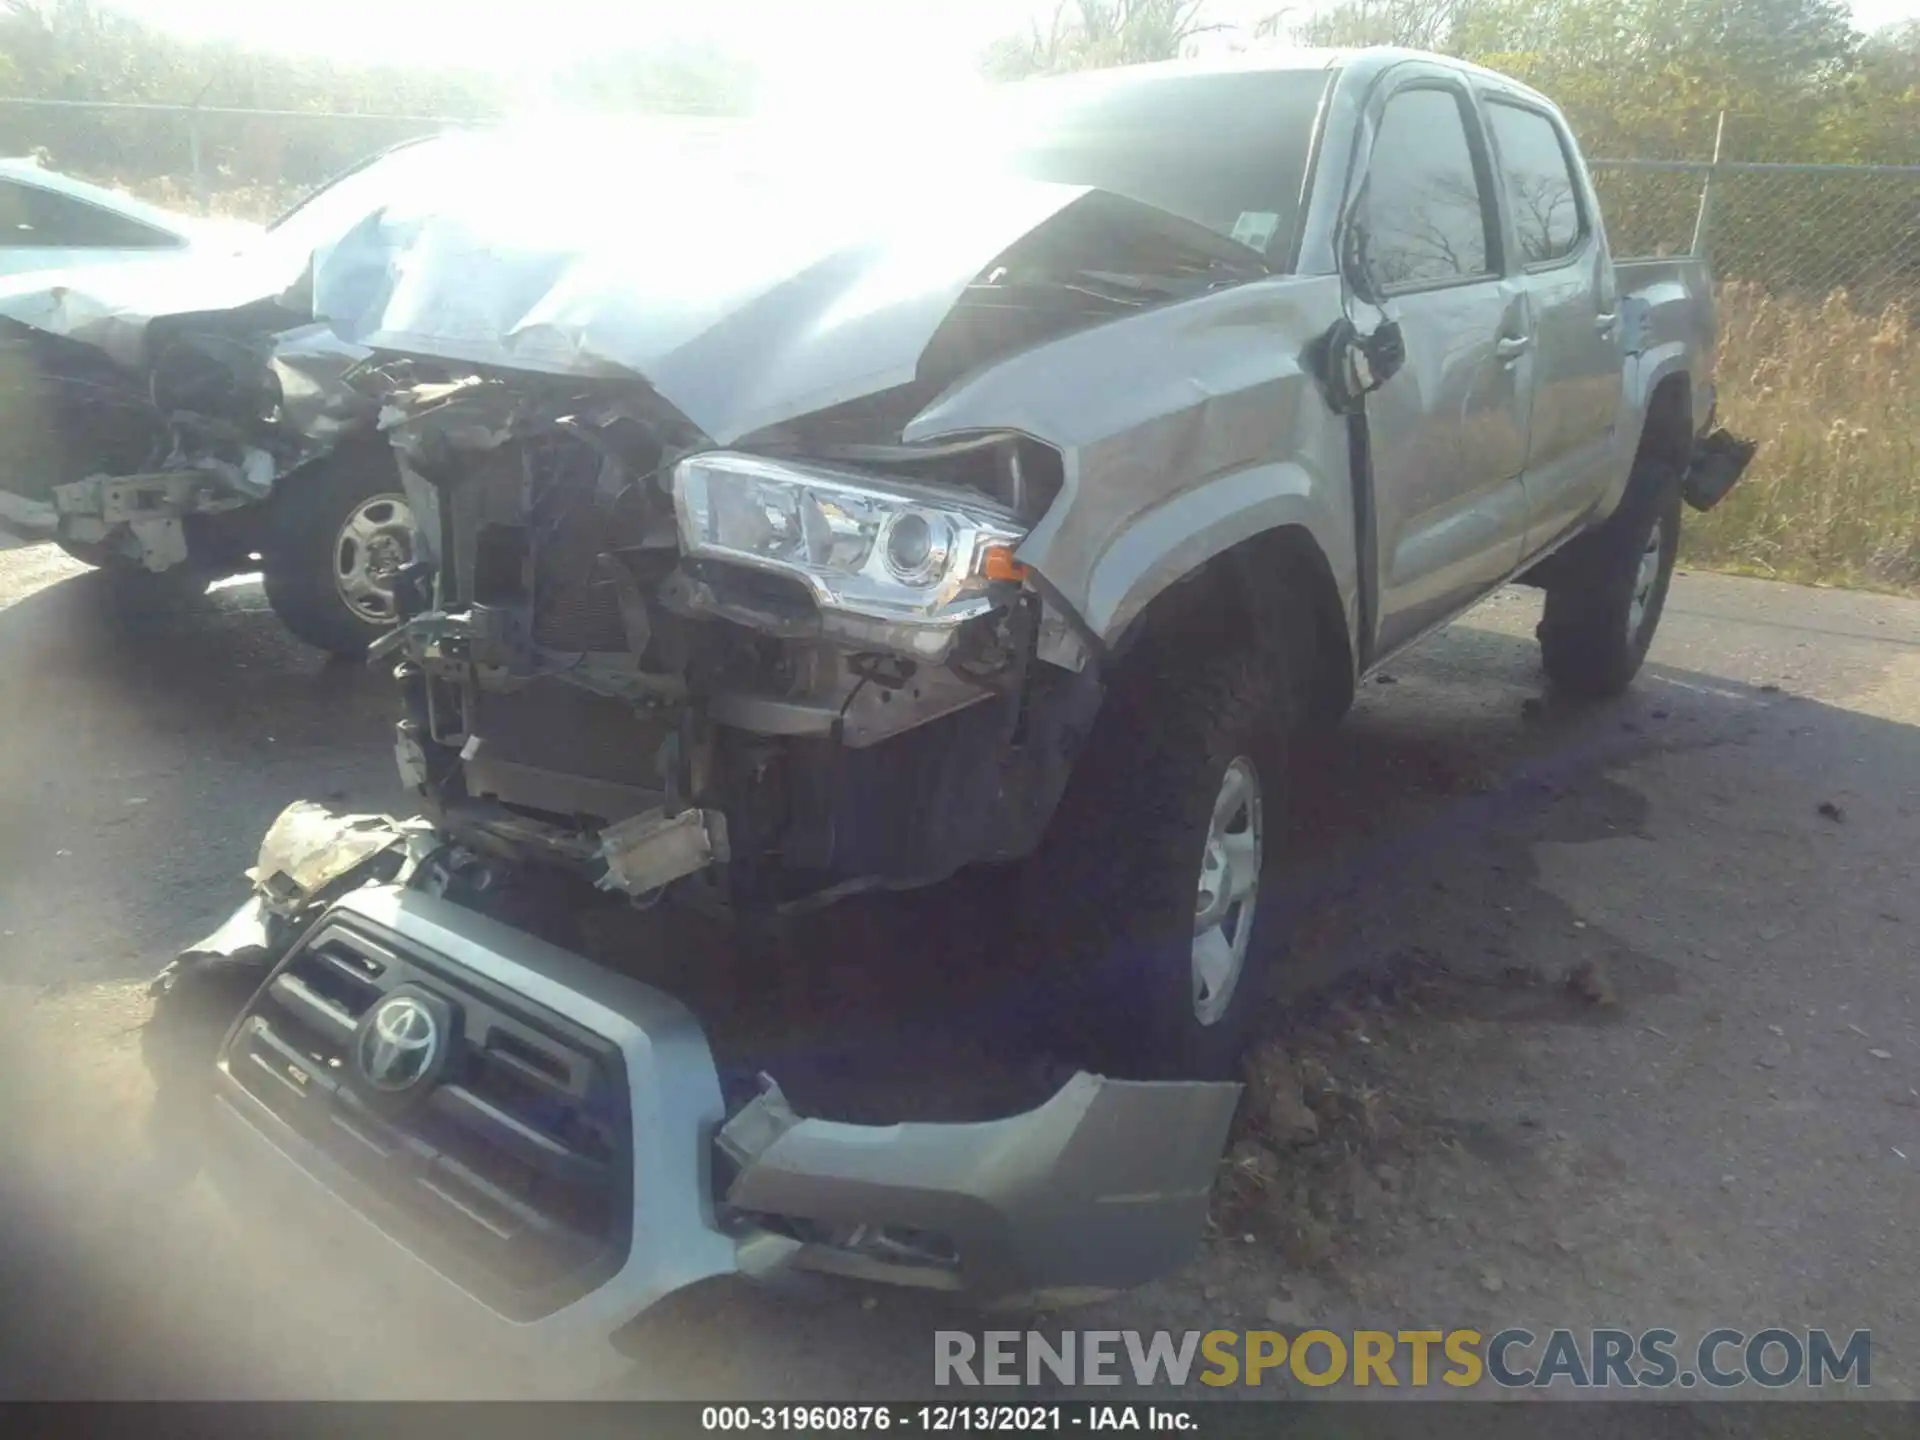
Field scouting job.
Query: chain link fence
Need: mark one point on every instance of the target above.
(1819, 361)
(249, 163)
(1806, 231)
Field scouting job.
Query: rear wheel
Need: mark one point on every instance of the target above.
(1144, 897)
(1606, 596)
(339, 537)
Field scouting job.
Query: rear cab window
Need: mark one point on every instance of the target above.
(1549, 220)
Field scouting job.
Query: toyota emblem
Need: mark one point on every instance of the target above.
(398, 1045)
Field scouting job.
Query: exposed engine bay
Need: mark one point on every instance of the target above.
(649, 657)
(655, 640)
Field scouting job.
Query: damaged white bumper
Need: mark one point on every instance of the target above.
(548, 1140)
(140, 516)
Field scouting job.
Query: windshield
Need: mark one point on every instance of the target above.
(1228, 150)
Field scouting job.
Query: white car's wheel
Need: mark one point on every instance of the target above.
(339, 537)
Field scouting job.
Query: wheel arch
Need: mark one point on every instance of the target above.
(1276, 587)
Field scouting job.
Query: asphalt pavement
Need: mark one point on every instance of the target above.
(1603, 1015)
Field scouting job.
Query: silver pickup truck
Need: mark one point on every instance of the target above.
(851, 523)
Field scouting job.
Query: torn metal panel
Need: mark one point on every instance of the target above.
(740, 327)
(490, 254)
(111, 307)
(312, 365)
(309, 848)
(252, 930)
(1102, 1187)
(651, 850)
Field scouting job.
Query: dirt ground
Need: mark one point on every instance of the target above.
(1597, 1017)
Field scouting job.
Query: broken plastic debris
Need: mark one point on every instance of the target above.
(309, 847)
(655, 849)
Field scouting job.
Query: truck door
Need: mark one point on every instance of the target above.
(1447, 434)
(1560, 253)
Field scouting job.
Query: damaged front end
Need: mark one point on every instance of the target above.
(647, 658)
(552, 1138)
(170, 459)
(772, 670)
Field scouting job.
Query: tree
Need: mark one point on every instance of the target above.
(683, 78)
(1417, 24)
(80, 50)
(1094, 34)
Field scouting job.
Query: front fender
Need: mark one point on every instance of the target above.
(1182, 430)
(1179, 537)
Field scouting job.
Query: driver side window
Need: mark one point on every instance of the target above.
(1427, 214)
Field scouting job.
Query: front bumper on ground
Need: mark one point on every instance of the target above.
(480, 1185)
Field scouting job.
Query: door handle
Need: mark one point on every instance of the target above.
(1509, 346)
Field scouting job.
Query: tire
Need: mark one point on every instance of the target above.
(343, 518)
(1112, 893)
(1604, 602)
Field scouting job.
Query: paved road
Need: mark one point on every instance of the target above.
(1718, 1122)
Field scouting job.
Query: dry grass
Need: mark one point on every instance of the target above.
(223, 196)
(1832, 394)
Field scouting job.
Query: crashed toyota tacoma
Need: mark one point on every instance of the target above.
(818, 532)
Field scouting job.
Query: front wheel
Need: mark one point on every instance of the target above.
(339, 538)
(1604, 604)
(1144, 897)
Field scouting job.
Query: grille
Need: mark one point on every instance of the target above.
(555, 725)
(508, 1168)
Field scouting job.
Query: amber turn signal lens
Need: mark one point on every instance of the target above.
(1002, 566)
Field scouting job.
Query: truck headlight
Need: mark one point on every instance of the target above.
(880, 549)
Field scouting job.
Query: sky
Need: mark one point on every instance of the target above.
(805, 44)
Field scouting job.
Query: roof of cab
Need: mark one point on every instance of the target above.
(1363, 63)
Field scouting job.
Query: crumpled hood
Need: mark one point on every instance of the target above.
(110, 306)
(744, 300)
(746, 294)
